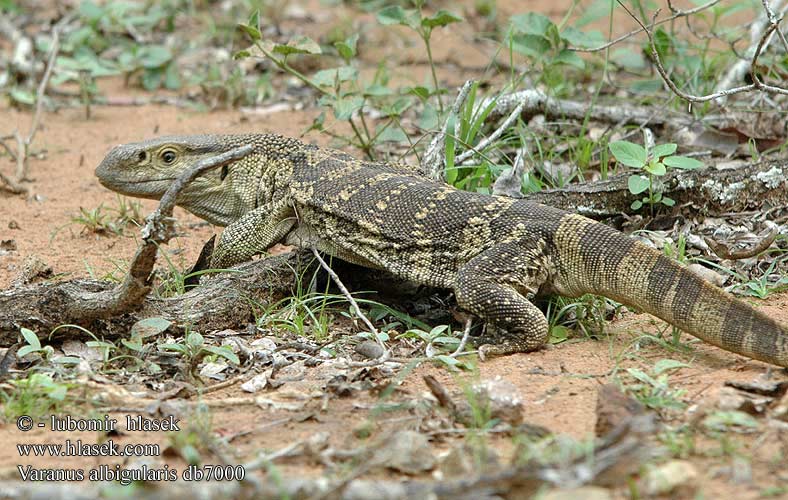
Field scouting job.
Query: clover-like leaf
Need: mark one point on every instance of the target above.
(628, 153)
(682, 162)
(637, 184)
(661, 150)
(441, 18)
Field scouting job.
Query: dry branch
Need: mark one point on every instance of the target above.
(535, 101)
(226, 301)
(712, 190)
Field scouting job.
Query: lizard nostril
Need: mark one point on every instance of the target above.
(142, 156)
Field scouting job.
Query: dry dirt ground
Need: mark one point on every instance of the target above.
(558, 385)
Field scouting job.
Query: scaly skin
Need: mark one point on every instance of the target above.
(495, 253)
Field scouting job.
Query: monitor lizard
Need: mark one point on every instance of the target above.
(495, 253)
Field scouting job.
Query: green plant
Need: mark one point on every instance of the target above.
(423, 26)
(341, 89)
(194, 350)
(586, 313)
(33, 345)
(36, 395)
(440, 342)
(46, 352)
(547, 46)
(84, 52)
(109, 221)
(763, 286)
(654, 164)
(653, 390)
(195, 437)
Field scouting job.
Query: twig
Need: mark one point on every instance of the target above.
(157, 230)
(465, 335)
(724, 252)
(758, 34)
(353, 303)
(514, 115)
(434, 158)
(23, 145)
(676, 14)
(510, 182)
(756, 85)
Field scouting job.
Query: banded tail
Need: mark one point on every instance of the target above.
(603, 261)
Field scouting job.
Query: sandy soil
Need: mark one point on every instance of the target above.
(558, 384)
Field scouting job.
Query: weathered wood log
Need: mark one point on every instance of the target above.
(225, 301)
(710, 190)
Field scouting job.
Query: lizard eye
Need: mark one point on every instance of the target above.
(223, 174)
(168, 156)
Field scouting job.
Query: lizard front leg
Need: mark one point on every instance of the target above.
(253, 233)
(492, 285)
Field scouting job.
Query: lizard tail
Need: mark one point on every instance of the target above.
(606, 262)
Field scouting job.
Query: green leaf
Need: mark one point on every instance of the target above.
(655, 168)
(722, 420)
(66, 360)
(31, 338)
(172, 77)
(392, 134)
(636, 205)
(377, 90)
(664, 365)
(23, 96)
(451, 172)
(242, 54)
(25, 350)
(58, 392)
(629, 59)
(421, 92)
(133, 344)
(581, 39)
(194, 339)
(251, 31)
(397, 15)
(224, 352)
(151, 79)
(154, 56)
(637, 184)
(347, 48)
(530, 45)
(170, 346)
(570, 58)
(642, 376)
(332, 76)
(429, 118)
(682, 162)
(668, 202)
(628, 153)
(149, 327)
(346, 106)
(441, 18)
(531, 23)
(661, 150)
(300, 45)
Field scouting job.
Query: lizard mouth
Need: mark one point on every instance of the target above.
(148, 188)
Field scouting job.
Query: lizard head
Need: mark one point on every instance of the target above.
(146, 169)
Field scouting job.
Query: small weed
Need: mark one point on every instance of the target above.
(587, 314)
(653, 390)
(36, 395)
(196, 436)
(109, 221)
(654, 164)
(194, 350)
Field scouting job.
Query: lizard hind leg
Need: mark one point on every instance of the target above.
(492, 285)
